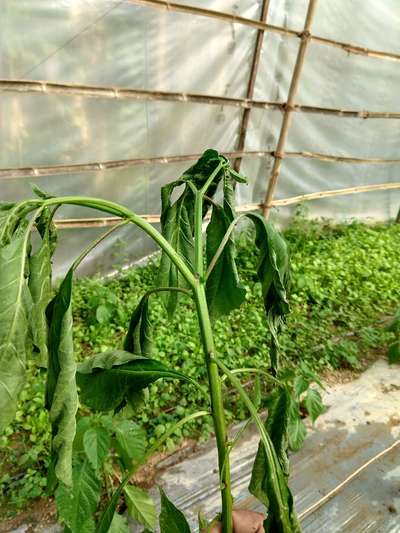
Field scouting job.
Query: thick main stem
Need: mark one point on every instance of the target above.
(217, 407)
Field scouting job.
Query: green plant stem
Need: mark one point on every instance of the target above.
(273, 462)
(217, 407)
(123, 212)
(108, 512)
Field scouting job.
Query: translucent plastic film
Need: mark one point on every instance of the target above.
(117, 43)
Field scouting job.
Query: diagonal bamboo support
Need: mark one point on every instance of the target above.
(251, 83)
(294, 85)
(256, 24)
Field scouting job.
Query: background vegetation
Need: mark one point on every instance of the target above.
(346, 285)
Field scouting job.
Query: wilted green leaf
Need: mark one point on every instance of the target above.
(40, 284)
(61, 393)
(76, 505)
(171, 519)
(274, 274)
(313, 404)
(96, 443)
(140, 506)
(223, 289)
(107, 379)
(266, 477)
(15, 339)
(177, 220)
(296, 429)
(394, 353)
(138, 338)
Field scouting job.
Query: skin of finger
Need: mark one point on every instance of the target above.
(244, 522)
(248, 522)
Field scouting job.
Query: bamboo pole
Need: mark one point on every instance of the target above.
(100, 222)
(294, 84)
(246, 208)
(120, 93)
(55, 170)
(235, 19)
(251, 83)
(334, 192)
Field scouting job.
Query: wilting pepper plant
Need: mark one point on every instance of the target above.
(36, 322)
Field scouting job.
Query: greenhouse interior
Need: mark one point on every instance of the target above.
(199, 266)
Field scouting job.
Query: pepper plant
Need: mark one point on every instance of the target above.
(36, 322)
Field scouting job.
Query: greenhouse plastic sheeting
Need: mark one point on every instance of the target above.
(104, 42)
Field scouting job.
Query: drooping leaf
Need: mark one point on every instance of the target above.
(394, 353)
(274, 274)
(266, 477)
(177, 220)
(172, 520)
(76, 505)
(15, 338)
(96, 443)
(313, 404)
(140, 506)
(130, 442)
(223, 289)
(61, 393)
(138, 338)
(40, 284)
(107, 379)
(296, 429)
(119, 524)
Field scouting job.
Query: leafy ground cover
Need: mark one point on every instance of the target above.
(346, 283)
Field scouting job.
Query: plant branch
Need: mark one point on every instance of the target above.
(123, 212)
(93, 244)
(274, 466)
(222, 245)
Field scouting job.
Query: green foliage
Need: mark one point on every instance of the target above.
(15, 340)
(113, 380)
(61, 394)
(76, 506)
(107, 380)
(316, 324)
(171, 519)
(140, 506)
(394, 348)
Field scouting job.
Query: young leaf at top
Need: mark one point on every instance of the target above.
(77, 505)
(172, 520)
(15, 338)
(274, 274)
(177, 220)
(223, 288)
(61, 393)
(138, 338)
(40, 284)
(107, 379)
(140, 506)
